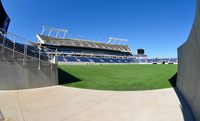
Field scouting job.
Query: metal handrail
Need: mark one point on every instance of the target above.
(20, 45)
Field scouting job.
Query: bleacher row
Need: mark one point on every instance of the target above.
(113, 60)
(93, 59)
(23, 48)
(84, 44)
(157, 60)
(77, 51)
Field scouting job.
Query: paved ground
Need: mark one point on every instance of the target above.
(60, 103)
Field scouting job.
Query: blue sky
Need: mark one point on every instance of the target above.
(158, 26)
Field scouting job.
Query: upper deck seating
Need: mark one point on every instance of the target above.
(84, 43)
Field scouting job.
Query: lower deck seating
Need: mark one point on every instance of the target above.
(61, 59)
(149, 60)
(96, 60)
(93, 59)
(143, 60)
(114, 60)
(173, 60)
(83, 59)
(71, 59)
(106, 60)
(156, 60)
(164, 60)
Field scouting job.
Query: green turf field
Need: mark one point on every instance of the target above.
(117, 77)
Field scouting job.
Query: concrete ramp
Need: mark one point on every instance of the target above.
(60, 103)
(189, 67)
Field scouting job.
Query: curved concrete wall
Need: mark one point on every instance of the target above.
(15, 74)
(188, 81)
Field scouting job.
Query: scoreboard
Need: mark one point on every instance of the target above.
(4, 19)
(140, 51)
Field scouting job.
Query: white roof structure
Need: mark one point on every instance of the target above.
(52, 30)
(119, 41)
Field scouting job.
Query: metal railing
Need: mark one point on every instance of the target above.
(22, 46)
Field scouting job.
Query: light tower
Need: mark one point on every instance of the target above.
(51, 30)
(113, 40)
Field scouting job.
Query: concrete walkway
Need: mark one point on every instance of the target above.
(60, 103)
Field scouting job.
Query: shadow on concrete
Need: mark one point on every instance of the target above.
(187, 115)
(66, 78)
(173, 79)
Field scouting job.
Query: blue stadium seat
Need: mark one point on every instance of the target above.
(149, 60)
(173, 60)
(32, 51)
(19, 47)
(106, 60)
(123, 60)
(114, 60)
(129, 60)
(83, 59)
(137, 61)
(71, 59)
(61, 59)
(9, 44)
(1, 39)
(142, 60)
(156, 60)
(96, 60)
(165, 60)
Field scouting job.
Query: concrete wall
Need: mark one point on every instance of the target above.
(189, 67)
(15, 74)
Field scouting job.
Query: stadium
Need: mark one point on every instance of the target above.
(75, 51)
(59, 78)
